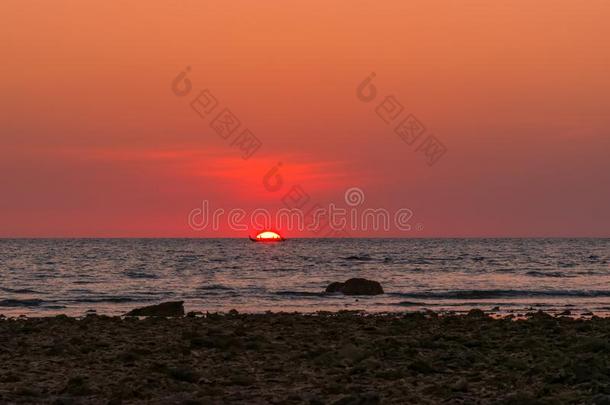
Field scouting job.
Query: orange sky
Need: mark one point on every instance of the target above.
(95, 143)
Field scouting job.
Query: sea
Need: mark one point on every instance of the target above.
(47, 277)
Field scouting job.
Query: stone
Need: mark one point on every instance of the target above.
(171, 308)
(476, 313)
(356, 286)
(460, 385)
(335, 287)
(195, 314)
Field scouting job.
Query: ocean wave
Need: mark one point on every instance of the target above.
(301, 293)
(486, 294)
(535, 273)
(416, 261)
(214, 287)
(137, 274)
(411, 303)
(362, 258)
(20, 290)
(425, 260)
(21, 303)
(188, 258)
(111, 299)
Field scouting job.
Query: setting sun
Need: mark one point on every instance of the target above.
(268, 236)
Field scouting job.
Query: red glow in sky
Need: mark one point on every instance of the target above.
(94, 142)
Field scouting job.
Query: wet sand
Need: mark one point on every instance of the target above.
(341, 358)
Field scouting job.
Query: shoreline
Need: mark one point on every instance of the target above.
(515, 315)
(497, 311)
(335, 357)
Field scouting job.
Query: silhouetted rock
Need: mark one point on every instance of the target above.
(335, 287)
(539, 315)
(362, 286)
(356, 286)
(172, 308)
(476, 313)
(194, 314)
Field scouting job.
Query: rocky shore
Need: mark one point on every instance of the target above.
(328, 358)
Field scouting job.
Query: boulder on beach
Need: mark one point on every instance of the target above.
(171, 308)
(356, 286)
(476, 313)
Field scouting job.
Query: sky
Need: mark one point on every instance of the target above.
(100, 137)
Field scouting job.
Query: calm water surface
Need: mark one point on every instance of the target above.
(111, 276)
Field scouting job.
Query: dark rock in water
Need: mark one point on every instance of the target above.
(172, 308)
(361, 286)
(335, 287)
(356, 286)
